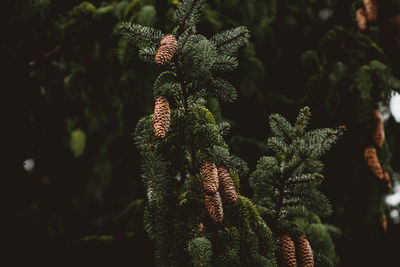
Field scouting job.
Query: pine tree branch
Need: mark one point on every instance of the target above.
(242, 34)
(186, 39)
(184, 95)
(188, 13)
(280, 127)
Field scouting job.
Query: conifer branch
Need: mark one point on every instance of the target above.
(141, 34)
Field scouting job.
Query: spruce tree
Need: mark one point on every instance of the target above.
(285, 188)
(195, 214)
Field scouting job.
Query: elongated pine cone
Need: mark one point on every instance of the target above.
(384, 222)
(304, 252)
(209, 176)
(287, 253)
(161, 117)
(214, 207)
(361, 18)
(166, 50)
(378, 134)
(371, 9)
(372, 161)
(226, 183)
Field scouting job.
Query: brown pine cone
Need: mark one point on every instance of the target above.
(166, 50)
(371, 9)
(378, 133)
(226, 183)
(209, 176)
(372, 161)
(286, 253)
(361, 18)
(161, 117)
(304, 252)
(214, 207)
(384, 222)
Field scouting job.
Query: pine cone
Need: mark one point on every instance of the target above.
(166, 50)
(304, 252)
(228, 188)
(287, 254)
(378, 134)
(371, 9)
(214, 207)
(361, 18)
(387, 181)
(209, 176)
(161, 117)
(384, 222)
(372, 161)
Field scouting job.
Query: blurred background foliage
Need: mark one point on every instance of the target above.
(78, 90)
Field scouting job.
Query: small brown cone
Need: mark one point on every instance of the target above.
(214, 207)
(161, 117)
(287, 254)
(304, 252)
(361, 18)
(209, 176)
(166, 50)
(228, 188)
(371, 9)
(373, 163)
(387, 181)
(384, 222)
(378, 133)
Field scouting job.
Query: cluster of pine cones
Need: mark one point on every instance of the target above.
(370, 155)
(367, 14)
(288, 252)
(216, 180)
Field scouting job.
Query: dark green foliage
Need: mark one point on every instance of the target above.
(171, 166)
(288, 180)
(200, 251)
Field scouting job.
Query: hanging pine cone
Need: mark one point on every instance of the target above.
(372, 161)
(387, 181)
(304, 252)
(161, 117)
(287, 254)
(371, 9)
(214, 207)
(166, 50)
(228, 188)
(378, 134)
(361, 18)
(209, 176)
(384, 222)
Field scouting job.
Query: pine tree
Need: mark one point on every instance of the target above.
(289, 179)
(186, 164)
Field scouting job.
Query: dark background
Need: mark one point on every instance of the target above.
(69, 75)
